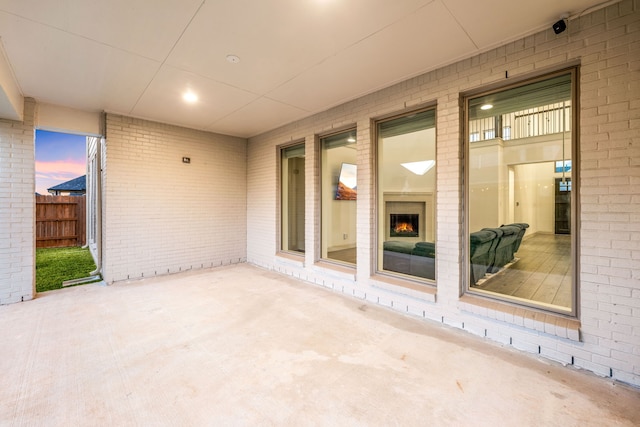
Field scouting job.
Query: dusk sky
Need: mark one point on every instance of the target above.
(59, 158)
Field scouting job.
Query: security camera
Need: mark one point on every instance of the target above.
(561, 25)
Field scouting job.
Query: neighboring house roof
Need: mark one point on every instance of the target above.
(76, 184)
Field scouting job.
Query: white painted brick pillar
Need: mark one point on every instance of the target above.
(17, 207)
(365, 208)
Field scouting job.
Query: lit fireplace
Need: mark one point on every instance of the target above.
(404, 225)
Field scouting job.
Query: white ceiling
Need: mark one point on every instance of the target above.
(297, 57)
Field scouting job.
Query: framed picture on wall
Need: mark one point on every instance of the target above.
(347, 186)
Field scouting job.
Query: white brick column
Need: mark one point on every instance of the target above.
(312, 204)
(365, 217)
(17, 207)
(448, 201)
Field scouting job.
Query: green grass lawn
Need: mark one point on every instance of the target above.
(55, 265)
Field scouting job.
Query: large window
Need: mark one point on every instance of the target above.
(339, 194)
(292, 198)
(520, 200)
(406, 174)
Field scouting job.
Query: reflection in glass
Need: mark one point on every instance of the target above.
(406, 174)
(519, 193)
(292, 198)
(338, 200)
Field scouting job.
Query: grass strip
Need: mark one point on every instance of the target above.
(55, 265)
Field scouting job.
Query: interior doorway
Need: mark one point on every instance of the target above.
(563, 205)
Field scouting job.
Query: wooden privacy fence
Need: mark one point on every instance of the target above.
(60, 221)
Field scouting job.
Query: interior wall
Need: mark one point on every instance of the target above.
(339, 215)
(297, 202)
(163, 215)
(534, 197)
(487, 185)
(407, 148)
(532, 160)
(292, 211)
(17, 207)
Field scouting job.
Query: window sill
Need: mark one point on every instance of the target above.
(422, 291)
(343, 270)
(291, 258)
(548, 323)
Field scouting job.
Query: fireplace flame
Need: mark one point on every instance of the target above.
(403, 227)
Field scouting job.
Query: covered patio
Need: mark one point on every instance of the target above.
(240, 345)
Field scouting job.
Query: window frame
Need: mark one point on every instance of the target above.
(280, 149)
(573, 311)
(319, 146)
(431, 283)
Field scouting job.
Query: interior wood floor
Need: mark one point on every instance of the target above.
(344, 255)
(542, 272)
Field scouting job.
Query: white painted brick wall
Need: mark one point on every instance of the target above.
(606, 44)
(17, 207)
(162, 215)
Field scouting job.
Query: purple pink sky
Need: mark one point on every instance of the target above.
(60, 157)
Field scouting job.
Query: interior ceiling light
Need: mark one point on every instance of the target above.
(351, 139)
(190, 97)
(419, 168)
(486, 107)
(234, 59)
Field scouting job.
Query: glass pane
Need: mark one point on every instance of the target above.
(519, 193)
(406, 188)
(292, 195)
(339, 193)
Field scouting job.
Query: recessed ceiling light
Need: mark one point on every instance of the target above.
(234, 59)
(486, 107)
(190, 97)
(351, 139)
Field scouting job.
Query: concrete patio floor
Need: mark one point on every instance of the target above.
(239, 345)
